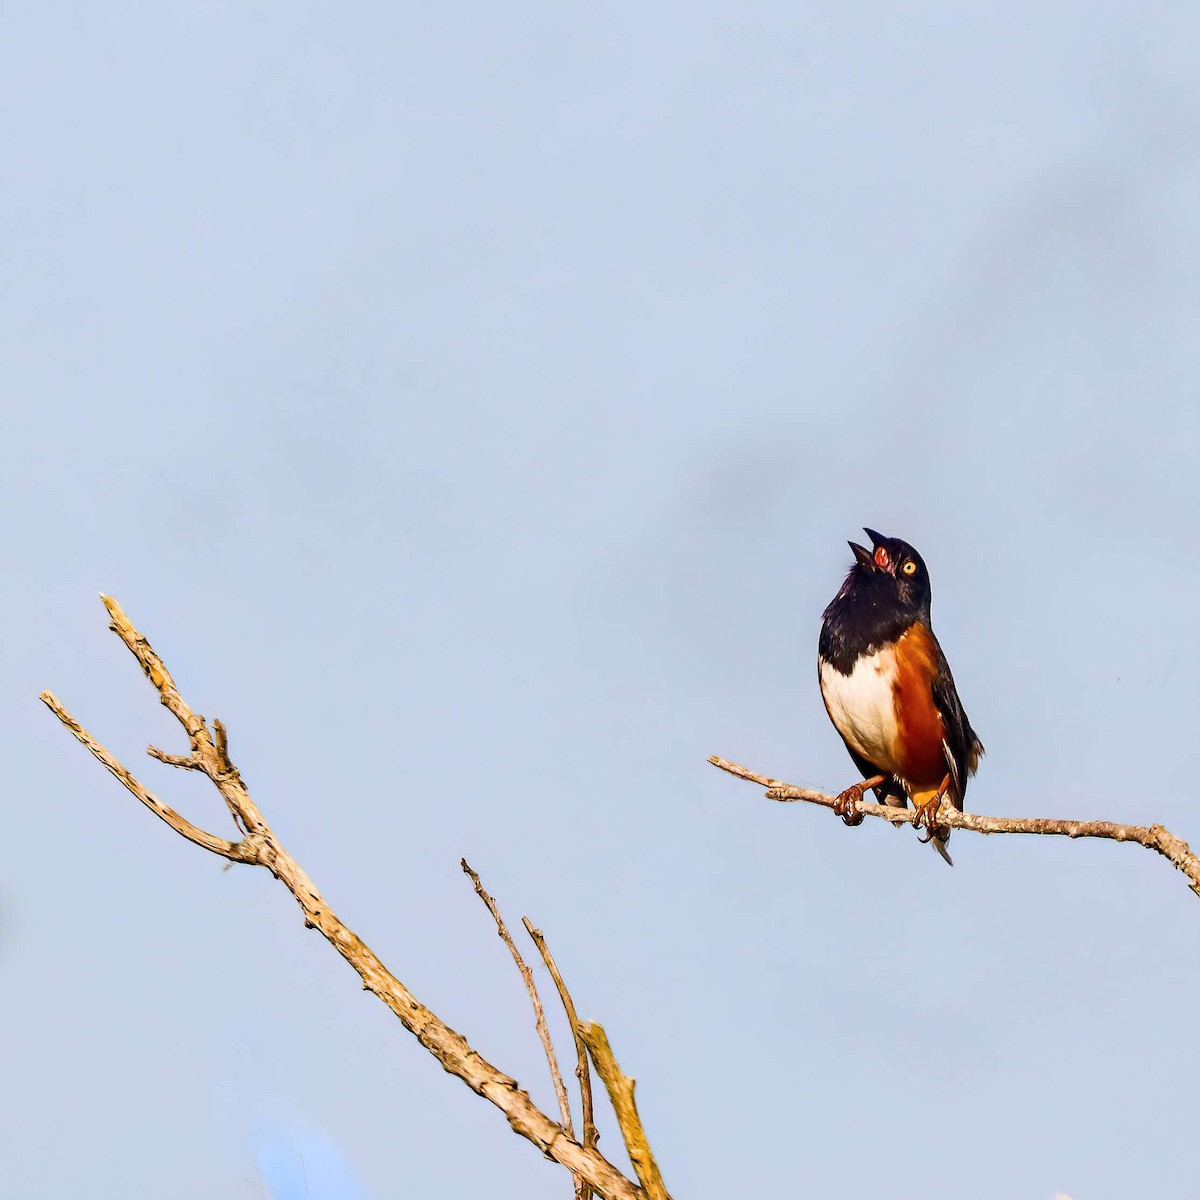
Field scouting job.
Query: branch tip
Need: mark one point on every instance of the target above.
(591, 1135)
(539, 1013)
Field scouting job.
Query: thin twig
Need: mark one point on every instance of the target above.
(236, 851)
(1154, 837)
(260, 846)
(184, 761)
(620, 1091)
(539, 1013)
(591, 1135)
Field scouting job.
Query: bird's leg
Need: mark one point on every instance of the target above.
(927, 812)
(846, 805)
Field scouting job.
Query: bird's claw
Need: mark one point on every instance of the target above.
(846, 805)
(926, 817)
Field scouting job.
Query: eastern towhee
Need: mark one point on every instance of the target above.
(889, 692)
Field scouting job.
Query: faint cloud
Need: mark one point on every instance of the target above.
(302, 1164)
(295, 1159)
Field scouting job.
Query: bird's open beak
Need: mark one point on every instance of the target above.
(881, 558)
(863, 555)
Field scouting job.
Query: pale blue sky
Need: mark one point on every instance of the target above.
(472, 405)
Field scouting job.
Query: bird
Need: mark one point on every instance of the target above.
(889, 692)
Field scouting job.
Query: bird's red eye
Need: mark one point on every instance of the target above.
(882, 558)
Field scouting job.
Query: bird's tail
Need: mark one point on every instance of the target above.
(939, 844)
(938, 838)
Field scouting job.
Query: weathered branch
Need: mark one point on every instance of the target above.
(1154, 837)
(620, 1091)
(259, 846)
(539, 1013)
(237, 851)
(591, 1135)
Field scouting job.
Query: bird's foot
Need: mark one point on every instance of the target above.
(846, 804)
(926, 818)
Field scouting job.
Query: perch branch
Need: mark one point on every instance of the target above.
(260, 846)
(591, 1135)
(1154, 837)
(620, 1091)
(539, 1013)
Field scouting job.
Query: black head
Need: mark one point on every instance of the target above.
(895, 568)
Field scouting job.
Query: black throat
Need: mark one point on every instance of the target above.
(862, 618)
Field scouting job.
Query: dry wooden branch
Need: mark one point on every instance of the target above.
(539, 1013)
(259, 846)
(236, 851)
(620, 1091)
(1154, 837)
(591, 1135)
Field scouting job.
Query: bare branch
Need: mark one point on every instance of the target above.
(1154, 837)
(184, 761)
(261, 847)
(591, 1135)
(620, 1091)
(539, 1013)
(237, 851)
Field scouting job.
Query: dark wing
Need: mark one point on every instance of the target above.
(961, 745)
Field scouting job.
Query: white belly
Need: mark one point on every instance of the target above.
(862, 707)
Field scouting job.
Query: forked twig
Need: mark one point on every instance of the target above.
(539, 1013)
(235, 851)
